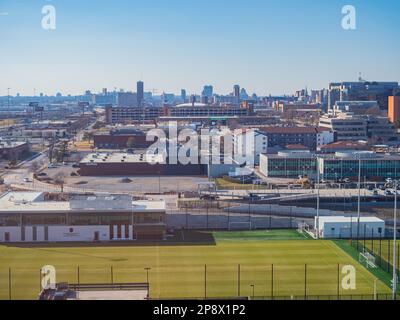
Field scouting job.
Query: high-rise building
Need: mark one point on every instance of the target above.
(127, 99)
(140, 93)
(394, 110)
(193, 99)
(236, 93)
(183, 95)
(208, 91)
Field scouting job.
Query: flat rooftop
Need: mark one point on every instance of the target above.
(122, 158)
(20, 197)
(17, 203)
(11, 144)
(349, 219)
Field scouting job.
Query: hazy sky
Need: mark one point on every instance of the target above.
(266, 46)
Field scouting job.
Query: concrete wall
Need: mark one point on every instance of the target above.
(55, 233)
(223, 222)
(264, 165)
(15, 233)
(77, 234)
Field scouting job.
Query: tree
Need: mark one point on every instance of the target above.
(35, 166)
(88, 136)
(61, 152)
(99, 125)
(130, 143)
(59, 180)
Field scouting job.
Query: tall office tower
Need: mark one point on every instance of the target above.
(236, 93)
(183, 95)
(208, 91)
(140, 93)
(127, 99)
(394, 110)
(105, 92)
(193, 99)
(333, 95)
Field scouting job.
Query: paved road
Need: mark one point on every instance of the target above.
(17, 176)
(298, 192)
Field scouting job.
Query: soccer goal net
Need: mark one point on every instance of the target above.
(367, 259)
(303, 227)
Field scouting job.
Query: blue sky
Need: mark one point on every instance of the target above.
(266, 46)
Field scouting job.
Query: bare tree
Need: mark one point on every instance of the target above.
(59, 180)
(34, 167)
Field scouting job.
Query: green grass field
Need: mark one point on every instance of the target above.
(177, 270)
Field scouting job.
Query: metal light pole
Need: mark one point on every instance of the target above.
(359, 199)
(318, 197)
(147, 274)
(394, 245)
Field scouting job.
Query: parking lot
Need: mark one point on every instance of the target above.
(126, 184)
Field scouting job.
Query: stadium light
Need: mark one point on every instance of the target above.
(359, 200)
(394, 243)
(318, 197)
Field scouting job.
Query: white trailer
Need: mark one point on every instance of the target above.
(337, 227)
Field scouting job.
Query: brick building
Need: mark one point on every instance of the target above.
(13, 151)
(121, 139)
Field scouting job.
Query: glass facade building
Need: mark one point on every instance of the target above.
(374, 167)
(289, 165)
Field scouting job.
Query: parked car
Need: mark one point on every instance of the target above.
(210, 197)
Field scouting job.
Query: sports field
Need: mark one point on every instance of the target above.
(383, 248)
(178, 269)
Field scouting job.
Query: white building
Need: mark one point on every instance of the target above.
(336, 227)
(250, 143)
(29, 217)
(347, 127)
(325, 137)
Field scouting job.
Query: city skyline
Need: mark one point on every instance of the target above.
(277, 51)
